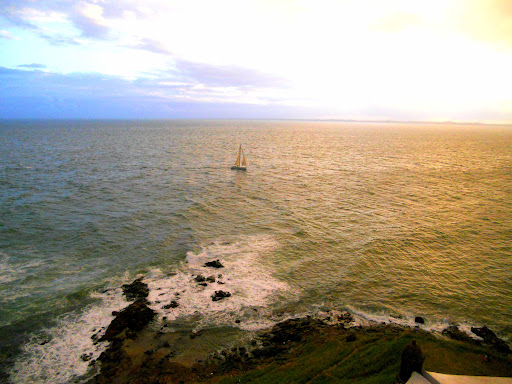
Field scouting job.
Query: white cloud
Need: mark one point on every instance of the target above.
(7, 35)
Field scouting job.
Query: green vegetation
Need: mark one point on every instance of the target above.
(325, 356)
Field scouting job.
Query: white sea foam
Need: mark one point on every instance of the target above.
(408, 320)
(56, 358)
(245, 276)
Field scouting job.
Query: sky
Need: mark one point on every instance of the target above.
(436, 60)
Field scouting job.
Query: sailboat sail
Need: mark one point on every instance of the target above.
(241, 155)
(237, 163)
(244, 161)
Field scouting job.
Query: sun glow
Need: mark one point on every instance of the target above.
(338, 55)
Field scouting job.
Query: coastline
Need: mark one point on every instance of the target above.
(306, 349)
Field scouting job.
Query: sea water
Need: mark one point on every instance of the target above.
(387, 220)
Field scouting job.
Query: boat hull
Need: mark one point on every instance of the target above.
(239, 168)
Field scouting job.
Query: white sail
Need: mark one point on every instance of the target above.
(244, 161)
(241, 156)
(237, 163)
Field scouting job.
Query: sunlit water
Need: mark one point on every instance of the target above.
(390, 221)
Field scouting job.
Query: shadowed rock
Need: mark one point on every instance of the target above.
(133, 318)
(453, 332)
(172, 304)
(135, 290)
(491, 338)
(214, 264)
(219, 295)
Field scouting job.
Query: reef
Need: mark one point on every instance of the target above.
(328, 348)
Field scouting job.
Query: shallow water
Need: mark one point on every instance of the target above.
(382, 219)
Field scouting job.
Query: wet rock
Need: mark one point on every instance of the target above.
(134, 317)
(219, 295)
(214, 264)
(172, 304)
(345, 318)
(491, 339)
(199, 279)
(419, 320)
(86, 356)
(211, 279)
(292, 330)
(453, 332)
(136, 290)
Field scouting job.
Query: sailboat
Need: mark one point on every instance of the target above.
(241, 155)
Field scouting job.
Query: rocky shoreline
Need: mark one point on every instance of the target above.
(139, 354)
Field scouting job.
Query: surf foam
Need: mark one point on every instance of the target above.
(56, 357)
(245, 275)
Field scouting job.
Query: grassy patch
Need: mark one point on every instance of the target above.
(373, 358)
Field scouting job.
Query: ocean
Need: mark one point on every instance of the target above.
(386, 220)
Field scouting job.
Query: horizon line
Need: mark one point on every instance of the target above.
(377, 121)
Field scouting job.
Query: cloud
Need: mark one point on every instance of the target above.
(151, 45)
(38, 94)
(88, 18)
(32, 66)
(228, 76)
(7, 35)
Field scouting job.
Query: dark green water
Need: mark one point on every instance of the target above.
(381, 219)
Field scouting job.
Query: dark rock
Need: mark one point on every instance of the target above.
(292, 330)
(96, 338)
(203, 284)
(199, 279)
(269, 351)
(86, 357)
(214, 264)
(491, 339)
(172, 304)
(219, 295)
(345, 318)
(115, 313)
(351, 337)
(135, 290)
(194, 334)
(134, 317)
(211, 279)
(453, 332)
(485, 333)
(419, 320)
